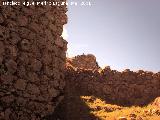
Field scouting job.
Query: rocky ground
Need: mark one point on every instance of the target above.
(104, 111)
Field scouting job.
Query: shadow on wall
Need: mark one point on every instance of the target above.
(72, 107)
(125, 89)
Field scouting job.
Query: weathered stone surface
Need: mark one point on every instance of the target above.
(157, 102)
(11, 51)
(11, 66)
(33, 89)
(48, 71)
(87, 62)
(49, 34)
(1, 59)
(7, 113)
(36, 28)
(1, 48)
(22, 20)
(14, 38)
(25, 45)
(1, 18)
(27, 52)
(59, 42)
(36, 65)
(8, 99)
(52, 27)
(20, 84)
(7, 79)
(33, 77)
(53, 92)
(24, 33)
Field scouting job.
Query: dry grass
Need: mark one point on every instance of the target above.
(106, 111)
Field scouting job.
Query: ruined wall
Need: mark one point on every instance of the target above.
(83, 62)
(32, 58)
(124, 88)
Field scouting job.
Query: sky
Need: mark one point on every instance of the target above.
(120, 33)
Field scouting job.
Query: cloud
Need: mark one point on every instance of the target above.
(65, 33)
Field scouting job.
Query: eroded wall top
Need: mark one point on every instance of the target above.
(124, 88)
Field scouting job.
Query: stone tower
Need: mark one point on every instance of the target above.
(32, 58)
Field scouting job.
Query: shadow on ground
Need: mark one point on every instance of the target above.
(74, 108)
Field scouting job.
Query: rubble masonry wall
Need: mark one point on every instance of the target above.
(124, 88)
(32, 59)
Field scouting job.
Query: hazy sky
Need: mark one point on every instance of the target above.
(120, 33)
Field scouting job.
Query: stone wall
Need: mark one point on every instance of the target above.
(83, 62)
(32, 59)
(122, 88)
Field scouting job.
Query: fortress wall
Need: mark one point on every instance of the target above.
(124, 88)
(32, 60)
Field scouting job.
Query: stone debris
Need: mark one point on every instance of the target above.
(157, 102)
(122, 118)
(133, 116)
(29, 43)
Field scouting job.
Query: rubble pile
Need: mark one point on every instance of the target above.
(87, 62)
(32, 61)
(157, 102)
(124, 88)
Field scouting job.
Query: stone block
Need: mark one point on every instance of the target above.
(20, 84)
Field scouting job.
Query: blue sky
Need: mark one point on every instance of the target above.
(120, 33)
